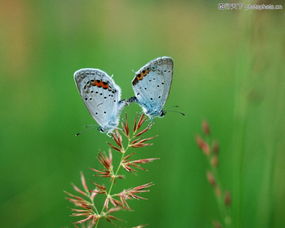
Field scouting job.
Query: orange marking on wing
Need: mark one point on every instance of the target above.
(140, 76)
(105, 85)
(97, 83)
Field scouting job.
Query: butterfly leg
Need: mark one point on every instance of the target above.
(132, 99)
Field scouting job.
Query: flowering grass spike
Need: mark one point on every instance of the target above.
(87, 209)
(211, 150)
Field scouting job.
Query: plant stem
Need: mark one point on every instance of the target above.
(222, 207)
(93, 205)
(124, 150)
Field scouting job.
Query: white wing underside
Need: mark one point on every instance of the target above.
(100, 94)
(153, 88)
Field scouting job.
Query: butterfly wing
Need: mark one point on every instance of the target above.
(151, 85)
(101, 96)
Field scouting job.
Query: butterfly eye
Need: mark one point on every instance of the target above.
(100, 129)
(162, 113)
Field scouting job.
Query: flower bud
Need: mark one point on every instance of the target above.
(211, 179)
(214, 161)
(206, 128)
(203, 145)
(228, 199)
(216, 148)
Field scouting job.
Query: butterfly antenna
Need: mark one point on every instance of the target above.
(131, 100)
(87, 127)
(174, 106)
(181, 113)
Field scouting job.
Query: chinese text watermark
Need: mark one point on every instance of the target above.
(242, 6)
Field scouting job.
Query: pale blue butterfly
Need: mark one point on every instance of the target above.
(151, 86)
(102, 97)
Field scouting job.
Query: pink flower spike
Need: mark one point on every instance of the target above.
(127, 165)
(84, 220)
(78, 210)
(106, 203)
(206, 128)
(104, 173)
(105, 161)
(114, 147)
(140, 143)
(93, 202)
(132, 193)
(144, 160)
(114, 209)
(83, 181)
(117, 138)
(78, 190)
(203, 145)
(125, 127)
(141, 121)
(135, 123)
(144, 130)
(93, 194)
(74, 196)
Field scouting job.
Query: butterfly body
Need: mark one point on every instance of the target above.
(101, 96)
(151, 86)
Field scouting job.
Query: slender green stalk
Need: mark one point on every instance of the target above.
(224, 211)
(242, 83)
(93, 205)
(123, 151)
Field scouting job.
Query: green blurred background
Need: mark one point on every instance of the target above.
(229, 70)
